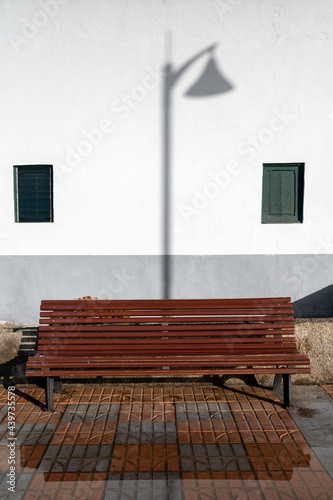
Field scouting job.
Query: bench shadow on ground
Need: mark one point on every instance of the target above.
(250, 381)
(220, 382)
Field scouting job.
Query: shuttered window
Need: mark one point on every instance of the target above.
(33, 188)
(282, 193)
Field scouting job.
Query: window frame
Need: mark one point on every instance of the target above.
(266, 217)
(17, 194)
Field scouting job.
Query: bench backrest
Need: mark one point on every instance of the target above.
(134, 327)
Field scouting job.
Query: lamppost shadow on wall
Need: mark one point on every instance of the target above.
(210, 83)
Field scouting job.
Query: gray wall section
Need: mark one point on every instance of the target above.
(26, 280)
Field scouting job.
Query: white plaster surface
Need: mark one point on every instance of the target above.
(26, 280)
(92, 65)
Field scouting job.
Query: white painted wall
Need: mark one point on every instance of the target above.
(68, 67)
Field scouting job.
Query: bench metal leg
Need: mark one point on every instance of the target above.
(57, 385)
(287, 389)
(277, 382)
(49, 393)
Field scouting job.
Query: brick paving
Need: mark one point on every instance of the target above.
(193, 442)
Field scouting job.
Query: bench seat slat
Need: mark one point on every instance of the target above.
(228, 359)
(155, 352)
(136, 346)
(221, 329)
(165, 303)
(154, 335)
(163, 325)
(86, 351)
(210, 344)
(160, 313)
(164, 370)
(173, 347)
(133, 319)
(232, 321)
(167, 352)
(114, 342)
(157, 372)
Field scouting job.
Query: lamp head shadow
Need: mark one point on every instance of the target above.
(210, 83)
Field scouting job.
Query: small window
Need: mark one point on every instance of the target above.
(33, 190)
(282, 193)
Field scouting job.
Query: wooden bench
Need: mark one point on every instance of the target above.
(80, 338)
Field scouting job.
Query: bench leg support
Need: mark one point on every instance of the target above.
(57, 385)
(49, 393)
(277, 382)
(287, 389)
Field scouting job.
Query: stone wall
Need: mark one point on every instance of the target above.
(315, 338)
(10, 341)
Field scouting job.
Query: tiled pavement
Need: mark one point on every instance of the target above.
(193, 442)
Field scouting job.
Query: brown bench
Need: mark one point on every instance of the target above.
(80, 338)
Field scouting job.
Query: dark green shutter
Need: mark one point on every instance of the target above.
(34, 193)
(282, 193)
